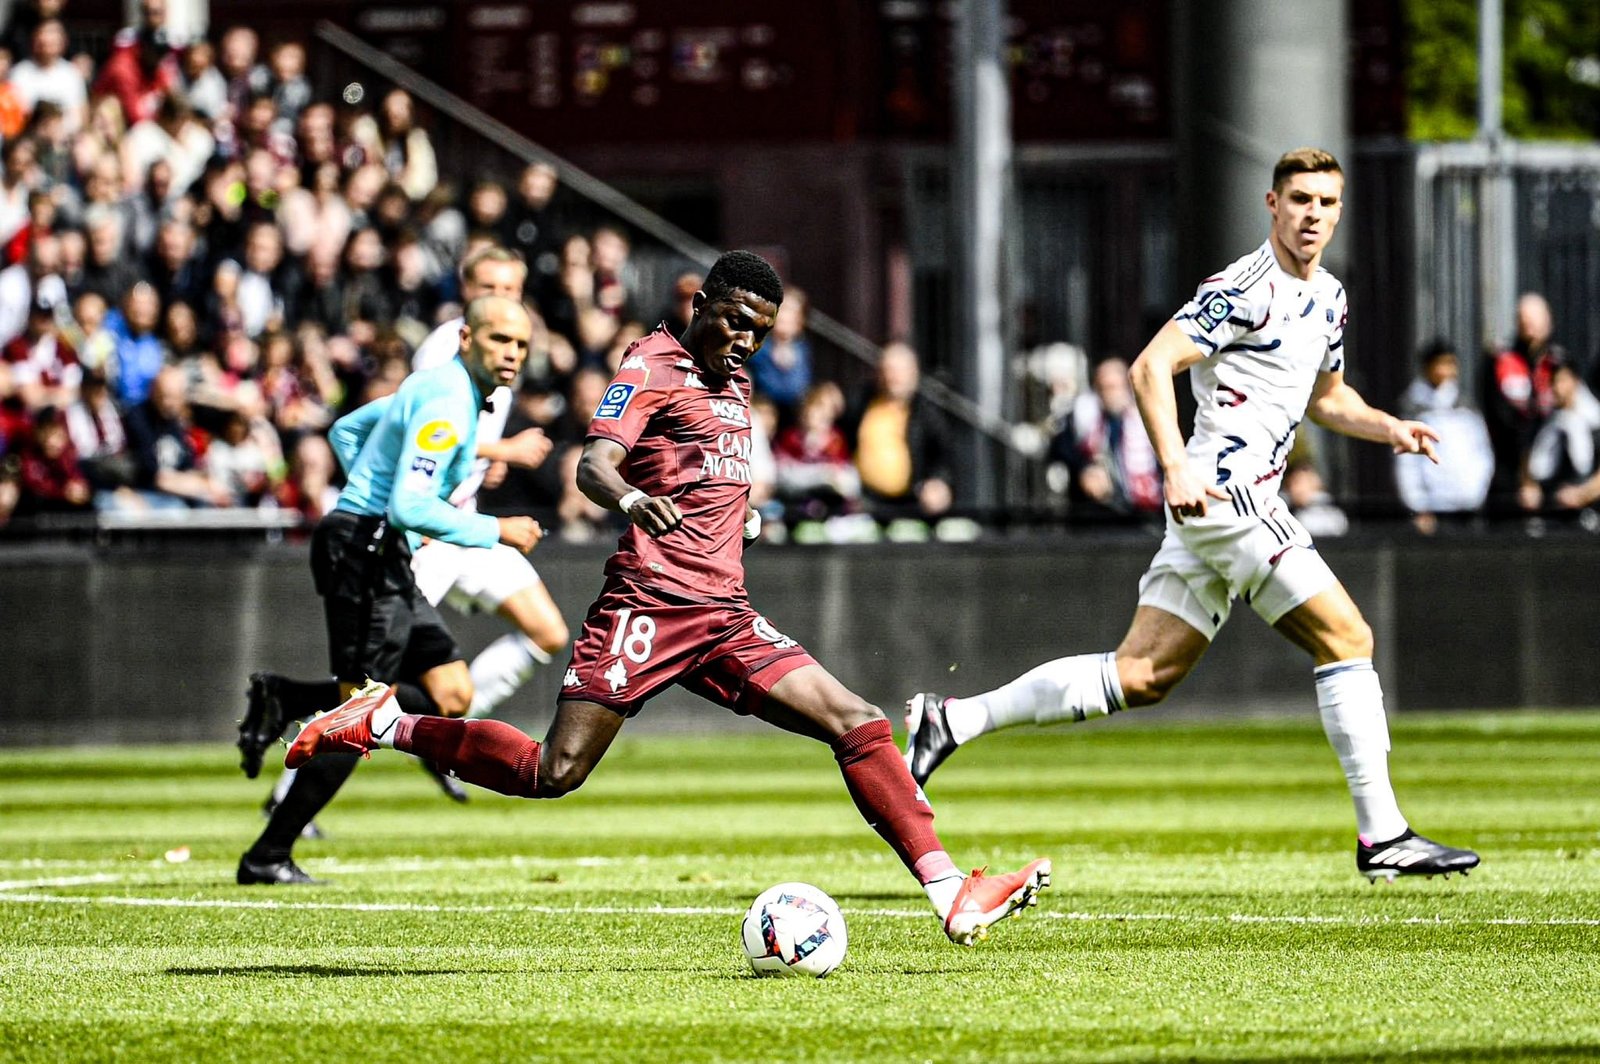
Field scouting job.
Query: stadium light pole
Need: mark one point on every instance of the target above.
(981, 186)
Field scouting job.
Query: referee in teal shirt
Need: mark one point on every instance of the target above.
(403, 455)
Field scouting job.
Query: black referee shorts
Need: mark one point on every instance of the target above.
(379, 625)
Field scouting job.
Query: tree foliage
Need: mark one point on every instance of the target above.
(1551, 79)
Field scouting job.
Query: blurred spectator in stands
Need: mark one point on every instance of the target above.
(47, 75)
(17, 159)
(536, 492)
(47, 128)
(1111, 469)
(900, 442)
(203, 84)
(562, 298)
(416, 301)
(310, 486)
(368, 303)
(34, 280)
(41, 222)
(1311, 502)
(168, 449)
(50, 478)
(109, 272)
(291, 91)
(361, 191)
(534, 222)
(267, 281)
(23, 17)
(173, 265)
(317, 141)
(486, 210)
(244, 460)
(299, 398)
(613, 275)
(175, 135)
(764, 467)
(243, 77)
(442, 229)
(321, 298)
(581, 520)
(259, 129)
(44, 367)
(98, 436)
(140, 354)
(180, 331)
(142, 68)
(101, 137)
(391, 214)
(317, 216)
(1517, 399)
(680, 303)
(399, 144)
(13, 113)
(781, 369)
(147, 207)
(1565, 455)
(1459, 484)
(86, 330)
(816, 478)
(72, 252)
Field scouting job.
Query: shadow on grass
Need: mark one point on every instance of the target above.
(1442, 1055)
(273, 971)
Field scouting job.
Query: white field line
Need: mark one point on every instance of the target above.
(13, 894)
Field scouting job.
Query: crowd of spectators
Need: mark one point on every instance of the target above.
(203, 264)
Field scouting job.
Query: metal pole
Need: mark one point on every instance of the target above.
(1491, 46)
(1497, 233)
(981, 174)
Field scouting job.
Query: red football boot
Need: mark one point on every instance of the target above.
(986, 900)
(343, 730)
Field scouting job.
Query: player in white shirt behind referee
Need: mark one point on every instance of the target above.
(1263, 342)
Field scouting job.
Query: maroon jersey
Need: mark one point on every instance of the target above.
(688, 438)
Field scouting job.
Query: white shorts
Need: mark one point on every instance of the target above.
(1248, 545)
(471, 579)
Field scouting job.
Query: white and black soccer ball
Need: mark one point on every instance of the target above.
(794, 929)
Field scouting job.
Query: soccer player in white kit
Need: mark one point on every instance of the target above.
(491, 579)
(1263, 342)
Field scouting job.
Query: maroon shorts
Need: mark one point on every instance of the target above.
(637, 641)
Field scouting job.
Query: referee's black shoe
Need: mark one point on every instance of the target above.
(265, 717)
(273, 873)
(928, 738)
(447, 783)
(1410, 854)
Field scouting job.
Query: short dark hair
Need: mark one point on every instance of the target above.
(1438, 347)
(743, 271)
(1304, 161)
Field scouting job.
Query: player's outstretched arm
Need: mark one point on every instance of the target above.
(1337, 406)
(1169, 353)
(599, 477)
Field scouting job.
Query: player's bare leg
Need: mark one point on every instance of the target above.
(503, 666)
(1158, 651)
(1330, 628)
(810, 701)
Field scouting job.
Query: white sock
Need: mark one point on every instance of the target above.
(1351, 701)
(500, 668)
(384, 719)
(1075, 688)
(942, 892)
(285, 781)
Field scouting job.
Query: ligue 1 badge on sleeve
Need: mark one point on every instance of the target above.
(615, 401)
(1214, 310)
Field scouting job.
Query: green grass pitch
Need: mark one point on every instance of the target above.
(1205, 907)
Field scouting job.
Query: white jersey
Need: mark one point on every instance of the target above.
(1266, 336)
(443, 344)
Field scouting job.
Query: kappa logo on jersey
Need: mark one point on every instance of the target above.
(764, 629)
(615, 401)
(426, 466)
(692, 381)
(1214, 311)
(635, 362)
(437, 436)
(729, 411)
(571, 679)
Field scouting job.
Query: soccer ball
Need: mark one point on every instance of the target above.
(794, 929)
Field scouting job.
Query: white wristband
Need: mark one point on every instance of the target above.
(630, 500)
(752, 526)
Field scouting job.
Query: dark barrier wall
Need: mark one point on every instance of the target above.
(155, 645)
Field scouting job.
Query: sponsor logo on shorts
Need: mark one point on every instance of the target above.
(615, 401)
(1214, 310)
(437, 436)
(764, 629)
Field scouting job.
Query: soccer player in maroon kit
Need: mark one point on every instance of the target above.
(669, 446)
